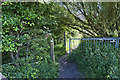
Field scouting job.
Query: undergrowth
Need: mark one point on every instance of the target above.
(99, 62)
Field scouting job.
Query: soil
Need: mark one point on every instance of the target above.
(68, 69)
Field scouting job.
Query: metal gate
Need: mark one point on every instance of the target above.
(96, 42)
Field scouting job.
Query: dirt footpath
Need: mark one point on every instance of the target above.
(68, 69)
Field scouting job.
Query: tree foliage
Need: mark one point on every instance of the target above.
(25, 40)
(100, 62)
(28, 27)
(96, 19)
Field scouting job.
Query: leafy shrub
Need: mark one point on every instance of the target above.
(25, 33)
(27, 68)
(59, 51)
(99, 62)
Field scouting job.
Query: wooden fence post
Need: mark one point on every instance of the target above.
(52, 49)
(69, 45)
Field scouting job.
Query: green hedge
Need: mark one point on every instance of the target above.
(28, 68)
(101, 62)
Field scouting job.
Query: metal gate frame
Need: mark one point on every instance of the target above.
(94, 39)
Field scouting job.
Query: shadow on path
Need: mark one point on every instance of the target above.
(68, 69)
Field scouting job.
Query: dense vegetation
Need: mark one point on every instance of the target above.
(99, 62)
(25, 41)
(28, 27)
(95, 19)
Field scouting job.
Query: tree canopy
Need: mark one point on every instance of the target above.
(95, 19)
(27, 28)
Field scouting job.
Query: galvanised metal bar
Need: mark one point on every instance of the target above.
(99, 43)
(95, 42)
(88, 42)
(71, 43)
(113, 44)
(81, 44)
(108, 43)
(91, 43)
(107, 38)
(117, 43)
(102, 44)
(105, 42)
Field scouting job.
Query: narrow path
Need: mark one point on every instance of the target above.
(68, 69)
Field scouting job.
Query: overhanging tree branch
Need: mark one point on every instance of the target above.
(76, 16)
(82, 31)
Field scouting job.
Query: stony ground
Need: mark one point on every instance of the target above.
(68, 69)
